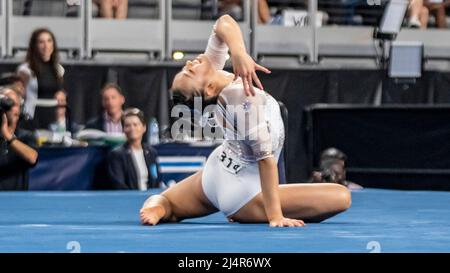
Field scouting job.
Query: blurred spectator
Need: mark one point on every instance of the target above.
(418, 14)
(17, 152)
(235, 10)
(332, 169)
(232, 8)
(350, 16)
(264, 16)
(419, 11)
(117, 9)
(437, 9)
(112, 102)
(62, 122)
(134, 165)
(14, 81)
(41, 74)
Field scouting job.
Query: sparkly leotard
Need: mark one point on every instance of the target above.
(253, 130)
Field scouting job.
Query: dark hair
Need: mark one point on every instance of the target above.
(328, 163)
(133, 112)
(177, 98)
(333, 153)
(62, 91)
(34, 59)
(111, 85)
(11, 87)
(4, 89)
(9, 78)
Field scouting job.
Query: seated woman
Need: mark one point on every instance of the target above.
(62, 122)
(117, 9)
(437, 9)
(240, 177)
(418, 14)
(133, 166)
(234, 9)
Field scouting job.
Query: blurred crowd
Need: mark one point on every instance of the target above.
(421, 13)
(34, 112)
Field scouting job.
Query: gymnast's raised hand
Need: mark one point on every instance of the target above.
(243, 64)
(245, 67)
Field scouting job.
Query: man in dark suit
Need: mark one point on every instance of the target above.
(109, 120)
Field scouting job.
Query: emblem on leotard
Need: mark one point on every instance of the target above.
(247, 106)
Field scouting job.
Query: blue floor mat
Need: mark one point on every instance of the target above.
(379, 220)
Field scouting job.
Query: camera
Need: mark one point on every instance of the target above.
(328, 175)
(5, 104)
(329, 170)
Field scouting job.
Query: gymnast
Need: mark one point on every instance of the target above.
(240, 177)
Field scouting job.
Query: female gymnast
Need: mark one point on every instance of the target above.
(240, 177)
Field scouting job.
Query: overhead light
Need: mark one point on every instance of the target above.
(178, 55)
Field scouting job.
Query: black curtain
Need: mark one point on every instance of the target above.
(7, 68)
(143, 88)
(83, 85)
(387, 147)
(431, 88)
(300, 88)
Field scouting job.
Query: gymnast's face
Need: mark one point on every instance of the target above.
(133, 128)
(194, 77)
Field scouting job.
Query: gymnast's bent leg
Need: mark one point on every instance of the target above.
(308, 202)
(184, 200)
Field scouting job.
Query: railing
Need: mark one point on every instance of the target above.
(192, 35)
(165, 31)
(3, 28)
(68, 30)
(137, 35)
(280, 40)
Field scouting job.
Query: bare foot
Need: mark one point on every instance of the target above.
(152, 215)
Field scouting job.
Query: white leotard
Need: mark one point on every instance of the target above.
(231, 176)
